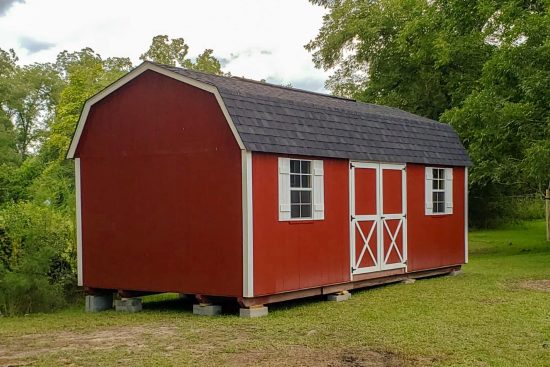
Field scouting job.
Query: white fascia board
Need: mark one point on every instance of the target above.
(134, 74)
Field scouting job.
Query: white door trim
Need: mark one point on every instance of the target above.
(379, 225)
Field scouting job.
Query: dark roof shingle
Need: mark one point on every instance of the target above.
(283, 120)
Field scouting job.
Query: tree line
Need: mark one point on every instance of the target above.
(482, 66)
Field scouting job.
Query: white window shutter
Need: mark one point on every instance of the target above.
(448, 190)
(284, 188)
(318, 190)
(428, 194)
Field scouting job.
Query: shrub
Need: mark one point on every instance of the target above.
(36, 258)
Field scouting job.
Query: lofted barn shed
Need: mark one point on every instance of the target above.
(227, 187)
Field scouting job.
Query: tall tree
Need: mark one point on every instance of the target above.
(482, 66)
(174, 52)
(422, 56)
(8, 146)
(30, 103)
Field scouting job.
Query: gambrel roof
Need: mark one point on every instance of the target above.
(274, 119)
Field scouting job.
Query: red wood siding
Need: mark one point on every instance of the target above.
(299, 254)
(435, 240)
(161, 191)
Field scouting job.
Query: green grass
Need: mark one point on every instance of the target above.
(483, 317)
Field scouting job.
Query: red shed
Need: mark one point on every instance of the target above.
(227, 187)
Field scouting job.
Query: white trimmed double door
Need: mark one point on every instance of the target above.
(378, 223)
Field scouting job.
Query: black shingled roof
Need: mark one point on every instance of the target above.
(275, 119)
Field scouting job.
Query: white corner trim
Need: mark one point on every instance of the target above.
(465, 215)
(248, 233)
(134, 74)
(78, 221)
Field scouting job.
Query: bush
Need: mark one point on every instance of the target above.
(36, 258)
(498, 212)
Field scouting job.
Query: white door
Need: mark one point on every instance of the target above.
(378, 225)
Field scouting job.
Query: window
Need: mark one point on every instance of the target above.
(301, 192)
(439, 191)
(301, 189)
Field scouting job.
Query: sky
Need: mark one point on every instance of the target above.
(257, 39)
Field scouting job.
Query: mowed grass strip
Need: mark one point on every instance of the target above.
(497, 313)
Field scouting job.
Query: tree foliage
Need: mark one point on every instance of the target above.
(174, 52)
(483, 66)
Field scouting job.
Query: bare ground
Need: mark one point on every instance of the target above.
(219, 348)
(542, 285)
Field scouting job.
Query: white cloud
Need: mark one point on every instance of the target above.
(255, 38)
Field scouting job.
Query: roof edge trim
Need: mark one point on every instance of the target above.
(143, 67)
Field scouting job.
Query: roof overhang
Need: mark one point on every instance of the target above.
(134, 74)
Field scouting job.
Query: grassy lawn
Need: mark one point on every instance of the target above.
(494, 314)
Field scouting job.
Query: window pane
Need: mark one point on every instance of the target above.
(306, 166)
(294, 166)
(435, 184)
(440, 207)
(435, 173)
(295, 211)
(294, 197)
(306, 211)
(305, 197)
(438, 197)
(294, 180)
(306, 181)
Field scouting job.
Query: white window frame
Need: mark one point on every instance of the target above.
(447, 190)
(317, 190)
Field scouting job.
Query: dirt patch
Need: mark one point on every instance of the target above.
(541, 285)
(20, 351)
(206, 346)
(295, 356)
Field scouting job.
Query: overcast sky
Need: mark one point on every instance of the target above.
(253, 38)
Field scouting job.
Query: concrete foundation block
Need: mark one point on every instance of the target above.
(454, 273)
(409, 281)
(252, 312)
(339, 297)
(128, 305)
(207, 309)
(99, 303)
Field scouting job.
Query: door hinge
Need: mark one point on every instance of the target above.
(352, 269)
(352, 217)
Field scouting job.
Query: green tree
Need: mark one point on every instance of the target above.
(505, 121)
(8, 146)
(31, 97)
(420, 56)
(174, 52)
(482, 66)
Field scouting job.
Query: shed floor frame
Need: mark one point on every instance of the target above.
(358, 282)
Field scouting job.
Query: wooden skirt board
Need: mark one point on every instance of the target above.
(378, 217)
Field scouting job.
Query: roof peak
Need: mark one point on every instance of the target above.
(258, 82)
